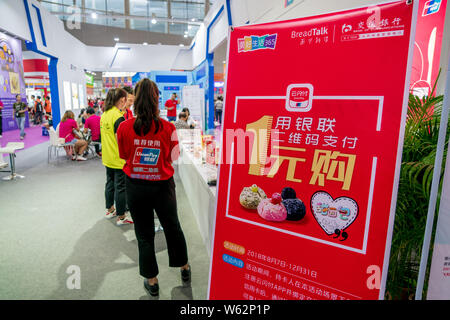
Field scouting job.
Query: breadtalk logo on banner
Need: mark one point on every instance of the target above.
(252, 43)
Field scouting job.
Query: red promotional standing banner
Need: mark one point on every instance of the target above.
(313, 130)
(428, 45)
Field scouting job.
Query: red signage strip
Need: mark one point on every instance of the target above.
(313, 129)
(428, 45)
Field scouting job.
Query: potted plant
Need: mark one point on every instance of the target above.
(419, 151)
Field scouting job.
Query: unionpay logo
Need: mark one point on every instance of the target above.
(431, 7)
(299, 97)
(253, 43)
(146, 156)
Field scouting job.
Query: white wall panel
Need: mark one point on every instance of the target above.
(218, 31)
(183, 61)
(13, 18)
(261, 11)
(239, 12)
(199, 50)
(258, 9)
(72, 74)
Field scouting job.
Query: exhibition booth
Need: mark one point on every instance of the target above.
(12, 79)
(262, 84)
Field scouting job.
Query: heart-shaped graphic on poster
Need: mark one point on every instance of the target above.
(333, 214)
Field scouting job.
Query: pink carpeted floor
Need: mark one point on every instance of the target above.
(33, 137)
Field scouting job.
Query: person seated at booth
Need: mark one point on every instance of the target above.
(82, 118)
(181, 123)
(93, 123)
(190, 121)
(68, 129)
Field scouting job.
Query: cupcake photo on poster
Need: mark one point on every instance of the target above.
(292, 211)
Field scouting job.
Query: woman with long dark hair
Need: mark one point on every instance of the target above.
(149, 145)
(115, 177)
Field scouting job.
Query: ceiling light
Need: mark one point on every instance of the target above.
(94, 15)
(189, 27)
(185, 35)
(224, 61)
(193, 19)
(186, 32)
(116, 39)
(154, 18)
(154, 21)
(181, 45)
(145, 43)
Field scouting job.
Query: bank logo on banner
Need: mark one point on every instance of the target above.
(431, 7)
(346, 28)
(375, 27)
(252, 43)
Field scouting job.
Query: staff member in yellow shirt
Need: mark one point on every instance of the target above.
(115, 177)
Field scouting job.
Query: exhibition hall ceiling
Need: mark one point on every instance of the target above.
(155, 21)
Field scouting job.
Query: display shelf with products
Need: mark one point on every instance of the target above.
(197, 169)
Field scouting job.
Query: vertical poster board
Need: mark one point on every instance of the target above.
(67, 95)
(75, 102)
(12, 80)
(317, 105)
(428, 45)
(81, 96)
(194, 100)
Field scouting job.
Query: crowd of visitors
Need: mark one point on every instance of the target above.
(148, 144)
(37, 111)
(137, 148)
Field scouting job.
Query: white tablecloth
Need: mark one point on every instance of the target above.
(201, 196)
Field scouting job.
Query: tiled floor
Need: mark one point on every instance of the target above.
(53, 227)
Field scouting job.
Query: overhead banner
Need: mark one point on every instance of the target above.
(428, 45)
(89, 80)
(313, 130)
(117, 82)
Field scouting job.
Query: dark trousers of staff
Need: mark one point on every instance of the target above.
(144, 197)
(115, 190)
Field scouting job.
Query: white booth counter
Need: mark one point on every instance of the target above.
(202, 197)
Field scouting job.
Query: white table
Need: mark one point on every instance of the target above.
(202, 197)
(11, 149)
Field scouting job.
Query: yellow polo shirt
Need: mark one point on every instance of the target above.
(110, 148)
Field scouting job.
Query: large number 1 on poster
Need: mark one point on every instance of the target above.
(262, 130)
